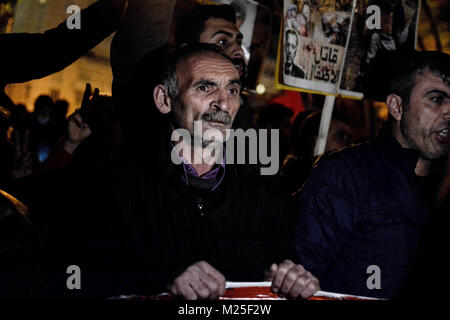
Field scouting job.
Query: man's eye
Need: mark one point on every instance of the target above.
(222, 42)
(234, 91)
(437, 99)
(203, 87)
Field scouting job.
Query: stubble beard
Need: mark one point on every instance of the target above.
(409, 131)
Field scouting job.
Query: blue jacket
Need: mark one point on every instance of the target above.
(362, 206)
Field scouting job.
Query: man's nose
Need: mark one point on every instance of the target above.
(446, 113)
(221, 101)
(236, 51)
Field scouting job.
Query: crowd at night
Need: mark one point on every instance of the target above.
(112, 193)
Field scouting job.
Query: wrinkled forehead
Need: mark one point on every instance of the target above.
(204, 63)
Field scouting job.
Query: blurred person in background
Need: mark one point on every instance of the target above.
(277, 116)
(297, 165)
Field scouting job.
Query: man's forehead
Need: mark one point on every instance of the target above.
(213, 25)
(292, 36)
(203, 63)
(428, 80)
(202, 56)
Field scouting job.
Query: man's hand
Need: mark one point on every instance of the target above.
(292, 280)
(199, 281)
(77, 131)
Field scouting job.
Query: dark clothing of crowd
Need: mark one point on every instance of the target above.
(122, 212)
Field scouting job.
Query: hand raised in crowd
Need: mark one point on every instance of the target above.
(77, 129)
(77, 132)
(199, 281)
(22, 162)
(292, 281)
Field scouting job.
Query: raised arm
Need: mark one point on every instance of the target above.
(28, 56)
(145, 28)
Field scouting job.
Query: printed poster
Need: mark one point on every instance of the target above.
(312, 44)
(317, 53)
(369, 48)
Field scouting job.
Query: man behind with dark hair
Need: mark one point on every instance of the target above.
(365, 208)
(214, 24)
(191, 25)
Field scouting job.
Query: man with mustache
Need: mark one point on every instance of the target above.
(364, 210)
(141, 43)
(188, 228)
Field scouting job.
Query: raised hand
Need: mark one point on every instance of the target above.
(77, 132)
(77, 129)
(88, 96)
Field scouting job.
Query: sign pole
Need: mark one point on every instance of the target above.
(327, 110)
(325, 120)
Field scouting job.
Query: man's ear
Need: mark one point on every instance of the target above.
(394, 103)
(162, 100)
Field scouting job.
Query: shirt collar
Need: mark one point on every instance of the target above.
(210, 180)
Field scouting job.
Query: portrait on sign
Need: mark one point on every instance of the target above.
(313, 42)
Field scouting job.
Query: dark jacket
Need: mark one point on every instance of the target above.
(363, 206)
(240, 228)
(134, 230)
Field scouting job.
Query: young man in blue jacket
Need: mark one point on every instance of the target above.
(365, 208)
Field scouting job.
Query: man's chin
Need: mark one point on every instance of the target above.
(438, 153)
(241, 67)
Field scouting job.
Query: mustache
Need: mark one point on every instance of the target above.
(217, 116)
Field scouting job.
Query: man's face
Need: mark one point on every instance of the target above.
(225, 34)
(209, 88)
(425, 123)
(44, 115)
(291, 47)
